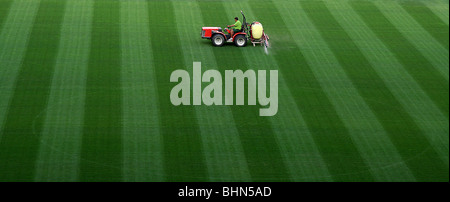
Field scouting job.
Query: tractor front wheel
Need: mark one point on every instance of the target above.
(218, 40)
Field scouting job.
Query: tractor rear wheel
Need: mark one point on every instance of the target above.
(240, 40)
(218, 40)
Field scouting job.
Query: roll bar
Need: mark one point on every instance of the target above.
(244, 20)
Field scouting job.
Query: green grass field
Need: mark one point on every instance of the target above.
(85, 91)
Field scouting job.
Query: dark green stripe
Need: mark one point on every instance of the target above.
(19, 141)
(263, 155)
(333, 140)
(412, 145)
(101, 157)
(5, 5)
(430, 80)
(183, 151)
(425, 17)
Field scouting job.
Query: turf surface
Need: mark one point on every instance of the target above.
(101, 145)
(84, 91)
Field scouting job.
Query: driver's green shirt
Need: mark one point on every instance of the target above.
(238, 25)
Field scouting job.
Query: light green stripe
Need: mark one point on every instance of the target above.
(58, 157)
(13, 44)
(142, 143)
(222, 147)
(367, 133)
(435, 53)
(440, 9)
(296, 144)
(429, 118)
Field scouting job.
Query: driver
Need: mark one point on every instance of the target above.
(236, 27)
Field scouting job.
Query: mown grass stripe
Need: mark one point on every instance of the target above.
(5, 5)
(23, 125)
(297, 146)
(142, 142)
(223, 150)
(332, 138)
(366, 131)
(263, 155)
(13, 44)
(428, 117)
(424, 162)
(184, 158)
(101, 149)
(401, 24)
(431, 80)
(440, 9)
(59, 150)
(429, 21)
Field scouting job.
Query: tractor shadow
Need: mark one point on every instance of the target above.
(226, 45)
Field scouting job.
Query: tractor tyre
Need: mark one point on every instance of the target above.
(218, 40)
(240, 40)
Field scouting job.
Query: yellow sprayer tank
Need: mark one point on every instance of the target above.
(257, 30)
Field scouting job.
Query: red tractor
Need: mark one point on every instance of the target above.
(218, 37)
